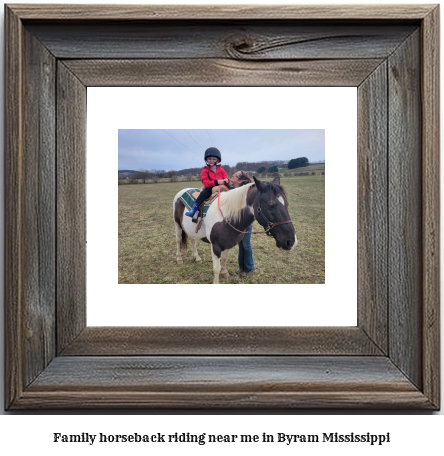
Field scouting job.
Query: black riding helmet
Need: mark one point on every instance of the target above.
(213, 152)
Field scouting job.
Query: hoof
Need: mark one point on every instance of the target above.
(199, 261)
(225, 276)
(179, 262)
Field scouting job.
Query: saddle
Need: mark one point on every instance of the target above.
(199, 215)
(214, 192)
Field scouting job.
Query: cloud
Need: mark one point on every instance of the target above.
(179, 149)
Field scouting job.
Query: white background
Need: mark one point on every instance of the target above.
(329, 304)
(413, 433)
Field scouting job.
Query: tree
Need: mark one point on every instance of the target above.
(298, 162)
(262, 169)
(273, 169)
(143, 175)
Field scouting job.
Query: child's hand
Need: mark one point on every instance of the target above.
(226, 180)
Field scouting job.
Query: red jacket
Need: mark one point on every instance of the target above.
(209, 178)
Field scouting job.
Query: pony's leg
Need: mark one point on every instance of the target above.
(178, 241)
(223, 264)
(216, 266)
(196, 256)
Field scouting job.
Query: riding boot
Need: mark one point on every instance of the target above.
(193, 210)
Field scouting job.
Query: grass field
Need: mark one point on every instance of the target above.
(147, 245)
(318, 167)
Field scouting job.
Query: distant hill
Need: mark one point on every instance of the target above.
(124, 173)
(246, 166)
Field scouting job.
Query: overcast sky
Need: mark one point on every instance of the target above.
(181, 149)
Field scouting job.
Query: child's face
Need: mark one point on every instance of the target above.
(212, 161)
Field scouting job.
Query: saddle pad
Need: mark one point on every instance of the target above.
(188, 199)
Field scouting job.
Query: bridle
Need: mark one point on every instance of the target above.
(270, 225)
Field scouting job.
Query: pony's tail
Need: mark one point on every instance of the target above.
(184, 240)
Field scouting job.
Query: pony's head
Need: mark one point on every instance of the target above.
(272, 207)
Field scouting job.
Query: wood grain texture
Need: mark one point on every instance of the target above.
(234, 40)
(234, 382)
(372, 207)
(13, 210)
(405, 209)
(71, 206)
(39, 207)
(245, 401)
(430, 94)
(209, 373)
(127, 341)
(220, 72)
(220, 12)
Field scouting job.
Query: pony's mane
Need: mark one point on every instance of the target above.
(276, 190)
(232, 202)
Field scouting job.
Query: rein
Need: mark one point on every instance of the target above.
(259, 210)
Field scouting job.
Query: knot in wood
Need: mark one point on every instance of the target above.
(238, 46)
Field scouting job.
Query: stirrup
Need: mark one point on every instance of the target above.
(196, 217)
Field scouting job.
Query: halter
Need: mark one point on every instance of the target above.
(270, 224)
(259, 211)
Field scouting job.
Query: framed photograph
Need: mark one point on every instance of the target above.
(140, 215)
(389, 359)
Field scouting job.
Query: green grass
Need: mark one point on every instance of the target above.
(147, 245)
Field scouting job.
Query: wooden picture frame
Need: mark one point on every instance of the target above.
(390, 360)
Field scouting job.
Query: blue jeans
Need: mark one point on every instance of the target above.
(245, 257)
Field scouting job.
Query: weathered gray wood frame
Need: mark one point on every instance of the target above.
(390, 360)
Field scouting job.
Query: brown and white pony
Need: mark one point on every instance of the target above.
(264, 201)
